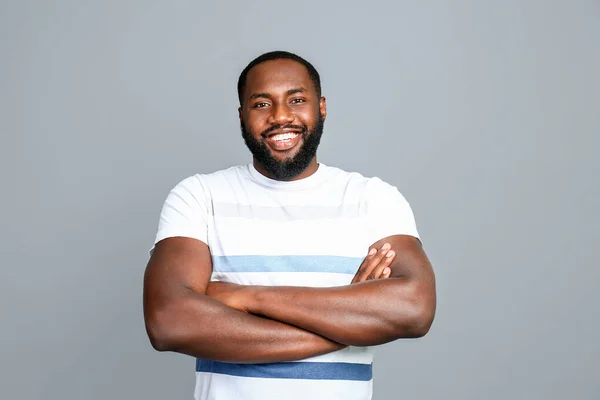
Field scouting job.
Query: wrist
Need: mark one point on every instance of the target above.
(252, 298)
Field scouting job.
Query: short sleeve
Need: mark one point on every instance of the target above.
(388, 211)
(184, 212)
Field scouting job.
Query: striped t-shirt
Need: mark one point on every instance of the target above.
(309, 232)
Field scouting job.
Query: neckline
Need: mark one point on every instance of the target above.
(304, 183)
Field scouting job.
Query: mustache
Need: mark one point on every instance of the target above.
(278, 126)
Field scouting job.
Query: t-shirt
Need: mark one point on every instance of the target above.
(309, 232)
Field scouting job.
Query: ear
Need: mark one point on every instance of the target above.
(323, 106)
(240, 113)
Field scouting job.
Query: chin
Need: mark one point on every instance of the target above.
(286, 156)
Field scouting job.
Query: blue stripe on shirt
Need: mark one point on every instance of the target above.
(335, 264)
(291, 370)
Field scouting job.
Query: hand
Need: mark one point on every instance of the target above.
(230, 294)
(376, 264)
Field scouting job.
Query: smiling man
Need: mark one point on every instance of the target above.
(279, 276)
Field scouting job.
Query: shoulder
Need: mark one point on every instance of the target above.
(342, 176)
(378, 187)
(226, 173)
(370, 186)
(387, 210)
(202, 182)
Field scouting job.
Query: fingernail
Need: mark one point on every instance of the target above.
(390, 254)
(386, 271)
(386, 246)
(372, 251)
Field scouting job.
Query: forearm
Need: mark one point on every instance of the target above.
(368, 313)
(202, 327)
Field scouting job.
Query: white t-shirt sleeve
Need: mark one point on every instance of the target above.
(185, 212)
(388, 211)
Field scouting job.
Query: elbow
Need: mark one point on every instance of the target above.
(158, 340)
(417, 320)
(161, 331)
(420, 325)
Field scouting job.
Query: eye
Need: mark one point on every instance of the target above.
(261, 105)
(298, 101)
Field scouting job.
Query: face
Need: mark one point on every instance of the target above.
(282, 119)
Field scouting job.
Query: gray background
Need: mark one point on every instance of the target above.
(484, 114)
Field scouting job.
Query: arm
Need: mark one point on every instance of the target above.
(180, 317)
(365, 313)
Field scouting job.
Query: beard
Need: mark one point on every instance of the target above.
(291, 167)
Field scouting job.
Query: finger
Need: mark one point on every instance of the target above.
(373, 262)
(367, 265)
(363, 265)
(384, 274)
(383, 265)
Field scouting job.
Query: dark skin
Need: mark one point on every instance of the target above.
(389, 298)
(368, 312)
(280, 92)
(180, 316)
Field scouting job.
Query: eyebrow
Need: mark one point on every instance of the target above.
(267, 95)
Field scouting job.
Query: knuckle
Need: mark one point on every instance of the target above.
(376, 259)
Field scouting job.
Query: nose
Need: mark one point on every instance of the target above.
(281, 115)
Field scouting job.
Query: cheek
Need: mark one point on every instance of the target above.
(309, 116)
(309, 120)
(255, 125)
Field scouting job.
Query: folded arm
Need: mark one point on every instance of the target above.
(180, 317)
(364, 313)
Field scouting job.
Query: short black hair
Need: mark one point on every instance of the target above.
(277, 55)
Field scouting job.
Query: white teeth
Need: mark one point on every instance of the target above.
(283, 136)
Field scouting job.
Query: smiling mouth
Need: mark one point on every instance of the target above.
(282, 141)
(282, 137)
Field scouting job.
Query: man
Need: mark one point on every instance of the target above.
(279, 275)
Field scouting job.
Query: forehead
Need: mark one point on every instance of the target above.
(275, 76)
